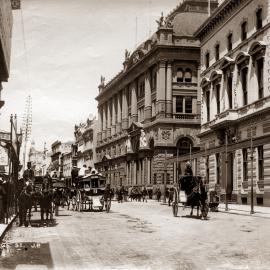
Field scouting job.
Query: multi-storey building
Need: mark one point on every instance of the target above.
(58, 150)
(152, 107)
(5, 42)
(85, 139)
(235, 132)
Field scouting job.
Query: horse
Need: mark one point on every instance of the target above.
(195, 192)
(25, 206)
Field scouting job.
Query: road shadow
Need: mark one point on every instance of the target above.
(38, 223)
(12, 255)
(194, 217)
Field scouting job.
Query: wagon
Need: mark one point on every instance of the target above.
(90, 193)
(190, 191)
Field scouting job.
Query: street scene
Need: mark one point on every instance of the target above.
(135, 134)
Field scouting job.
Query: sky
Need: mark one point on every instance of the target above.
(60, 49)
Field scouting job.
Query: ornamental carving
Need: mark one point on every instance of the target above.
(166, 134)
(143, 141)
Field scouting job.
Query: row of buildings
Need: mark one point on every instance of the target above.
(197, 90)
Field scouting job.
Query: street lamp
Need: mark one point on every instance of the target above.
(226, 169)
(251, 159)
(165, 177)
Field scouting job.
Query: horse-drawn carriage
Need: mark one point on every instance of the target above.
(195, 195)
(92, 192)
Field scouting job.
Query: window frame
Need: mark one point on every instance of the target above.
(207, 59)
(260, 162)
(244, 85)
(245, 164)
(244, 30)
(229, 42)
(259, 21)
(217, 51)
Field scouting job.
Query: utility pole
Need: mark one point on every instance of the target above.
(165, 176)
(226, 169)
(27, 127)
(251, 159)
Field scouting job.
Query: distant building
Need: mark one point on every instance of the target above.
(85, 140)
(150, 111)
(235, 71)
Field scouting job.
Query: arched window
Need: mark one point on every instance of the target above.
(188, 75)
(180, 75)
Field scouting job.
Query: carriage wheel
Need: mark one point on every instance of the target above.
(175, 203)
(205, 210)
(108, 205)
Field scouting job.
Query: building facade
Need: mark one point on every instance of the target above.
(235, 82)
(151, 110)
(86, 140)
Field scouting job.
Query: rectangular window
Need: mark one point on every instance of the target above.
(229, 41)
(188, 104)
(218, 98)
(245, 164)
(207, 169)
(260, 162)
(179, 104)
(260, 77)
(218, 167)
(207, 60)
(244, 76)
(244, 31)
(208, 105)
(217, 52)
(230, 90)
(259, 20)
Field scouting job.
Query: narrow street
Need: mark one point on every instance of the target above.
(136, 235)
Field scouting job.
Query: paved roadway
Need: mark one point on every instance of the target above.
(138, 235)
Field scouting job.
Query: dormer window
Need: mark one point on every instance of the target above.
(244, 31)
(180, 75)
(188, 75)
(259, 21)
(217, 52)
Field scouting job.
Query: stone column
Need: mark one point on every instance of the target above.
(113, 117)
(109, 119)
(124, 110)
(147, 99)
(119, 114)
(104, 120)
(99, 134)
(161, 90)
(169, 91)
(134, 109)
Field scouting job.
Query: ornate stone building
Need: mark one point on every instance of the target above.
(235, 58)
(151, 108)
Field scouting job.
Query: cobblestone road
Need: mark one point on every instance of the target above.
(140, 236)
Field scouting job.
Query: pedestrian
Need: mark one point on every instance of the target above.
(144, 194)
(171, 192)
(25, 206)
(57, 200)
(158, 194)
(45, 204)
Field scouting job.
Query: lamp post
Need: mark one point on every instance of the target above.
(226, 169)
(165, 177)
(251, 159)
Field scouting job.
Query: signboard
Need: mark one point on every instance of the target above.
(3, 156)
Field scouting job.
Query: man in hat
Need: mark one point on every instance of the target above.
(28, 174)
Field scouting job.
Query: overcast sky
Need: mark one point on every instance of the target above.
(69, 45)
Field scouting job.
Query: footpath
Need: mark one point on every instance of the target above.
(244, 210)
(5, 227)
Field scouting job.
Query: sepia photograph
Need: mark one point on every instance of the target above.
(134, 135)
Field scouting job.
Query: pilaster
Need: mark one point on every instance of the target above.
(161, 90)
(147, 98)
(124, 110)
(134, 107)
(169, 91)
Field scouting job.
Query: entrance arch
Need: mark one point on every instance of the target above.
(184, 145)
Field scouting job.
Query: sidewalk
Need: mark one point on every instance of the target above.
(239, 209)
(4, 227)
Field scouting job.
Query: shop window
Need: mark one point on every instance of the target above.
(245, 164)
(260, 162)
(260, 64)
(229, 41)
(188, 75)
(259, 20)
(180, 75)
(244, 31)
